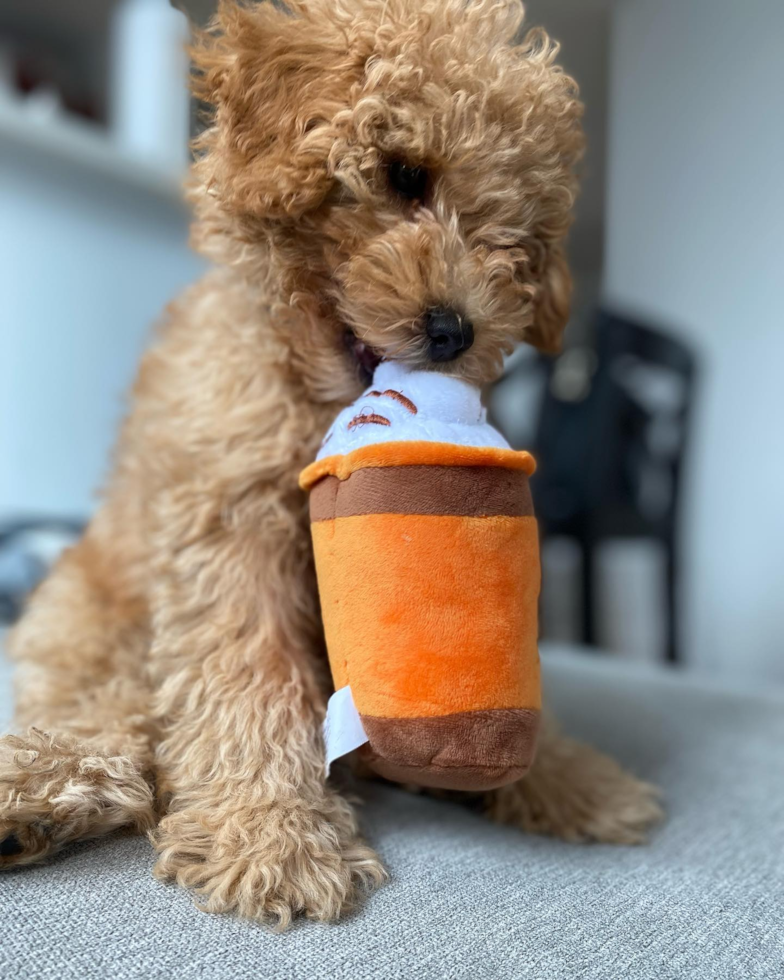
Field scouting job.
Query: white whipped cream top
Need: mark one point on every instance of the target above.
(405, 405)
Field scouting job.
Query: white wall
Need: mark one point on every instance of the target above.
(695, 241)
(582, 28)
(86, 266)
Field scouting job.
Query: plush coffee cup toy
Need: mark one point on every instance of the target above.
(427, 559)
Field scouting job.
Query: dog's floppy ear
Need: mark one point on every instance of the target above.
(551, 303)
(272, 77)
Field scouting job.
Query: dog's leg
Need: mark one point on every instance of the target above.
(578, 794)
(252, 826)
(85, 768)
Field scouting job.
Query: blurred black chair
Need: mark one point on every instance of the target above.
(610, 445)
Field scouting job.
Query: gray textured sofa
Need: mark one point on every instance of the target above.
(705, 899)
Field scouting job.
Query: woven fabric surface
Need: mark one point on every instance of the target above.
(470, 900)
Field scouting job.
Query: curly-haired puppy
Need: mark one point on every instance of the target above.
(367, 161)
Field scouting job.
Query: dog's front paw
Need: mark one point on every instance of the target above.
(54, 790)
(29, 780)
(268, 864)
(578, 794)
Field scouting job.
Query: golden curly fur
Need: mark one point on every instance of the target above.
(173, 660)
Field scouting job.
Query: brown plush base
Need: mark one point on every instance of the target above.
(467, 779)
(467, 750)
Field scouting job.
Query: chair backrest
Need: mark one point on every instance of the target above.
(612, 430)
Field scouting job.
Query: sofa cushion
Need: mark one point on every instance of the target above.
(469, 899)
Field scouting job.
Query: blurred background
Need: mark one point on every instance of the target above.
(661, 480)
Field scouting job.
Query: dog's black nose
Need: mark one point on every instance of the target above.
(449, 334)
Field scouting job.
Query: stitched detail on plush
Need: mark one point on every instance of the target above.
(368, 418)
(397, 396)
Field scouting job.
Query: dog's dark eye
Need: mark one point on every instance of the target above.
(410, 182)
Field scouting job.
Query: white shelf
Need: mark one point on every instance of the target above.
(86, 146)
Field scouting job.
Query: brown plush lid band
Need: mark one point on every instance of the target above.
(465, 491)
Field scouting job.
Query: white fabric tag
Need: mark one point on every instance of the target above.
(343, 731)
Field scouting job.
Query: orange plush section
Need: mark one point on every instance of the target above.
(415, 454)
(426, 615)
